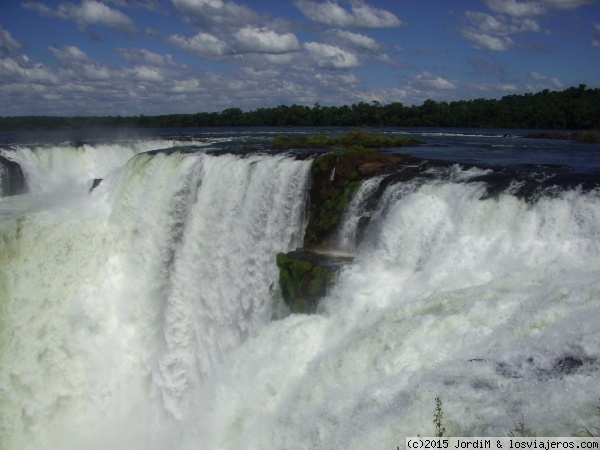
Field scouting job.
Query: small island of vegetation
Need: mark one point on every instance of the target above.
(354, 140)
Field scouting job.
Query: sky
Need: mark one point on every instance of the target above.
(150, 57)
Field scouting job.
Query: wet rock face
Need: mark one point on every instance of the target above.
(95, 183)
(570, 364)
(335, 179)
(565, 365)
(12, 178)
(305, 275)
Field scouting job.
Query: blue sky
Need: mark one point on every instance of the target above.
(131, 57)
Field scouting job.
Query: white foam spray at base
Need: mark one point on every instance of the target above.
(145, 321)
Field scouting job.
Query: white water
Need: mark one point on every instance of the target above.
(67, 167)
(140, 317)
(115, 311)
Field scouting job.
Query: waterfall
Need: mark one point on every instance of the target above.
(145, 314)
(118, 308)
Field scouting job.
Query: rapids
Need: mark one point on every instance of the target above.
(145, 314)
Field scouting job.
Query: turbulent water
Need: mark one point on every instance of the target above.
(145, 314)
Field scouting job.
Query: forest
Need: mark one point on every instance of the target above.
(575, 108)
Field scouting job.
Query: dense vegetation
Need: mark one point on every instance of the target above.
(576, 108)
(356, 139)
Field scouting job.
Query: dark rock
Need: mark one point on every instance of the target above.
(335, 179)
(370, 169)
(507, 371)
(95, 183)
(12, 178)
(361, 228)
(246, 150)
(559, 368)
(567, 365)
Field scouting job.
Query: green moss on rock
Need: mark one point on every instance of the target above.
(303, 282)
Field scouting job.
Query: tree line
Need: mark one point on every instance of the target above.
(576, 108)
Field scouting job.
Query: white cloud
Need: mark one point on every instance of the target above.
(331, 57)
(485, 41)
(427, 80)
(145, 57)
(186, 86)
(513, 18)
(494, 33)
(70, 53)
(258, 73)
(89, 12)
(516, 9)
(568, 4)
(145, 73)
(8, 46)
(546, 80)
(25, 71)
(259, 40)
(203, 44)
(502, 88)
(336, 83)
(494, 26)
(360, 15)
(215, 12)
(356, 40)
(97, 72)
(596, 42)
(151, 5)
(533, 8)
(538, 76)
(281, 59)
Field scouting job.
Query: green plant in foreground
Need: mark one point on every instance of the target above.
(521, 430)
(438, 415)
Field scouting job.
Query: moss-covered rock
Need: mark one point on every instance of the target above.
(305, 277)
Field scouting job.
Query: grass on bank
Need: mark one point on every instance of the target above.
(354, 139)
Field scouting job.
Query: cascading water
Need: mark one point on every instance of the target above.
(117, 309)
(73, 165)
(141, 315)
(492, 304)
(12, 179)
